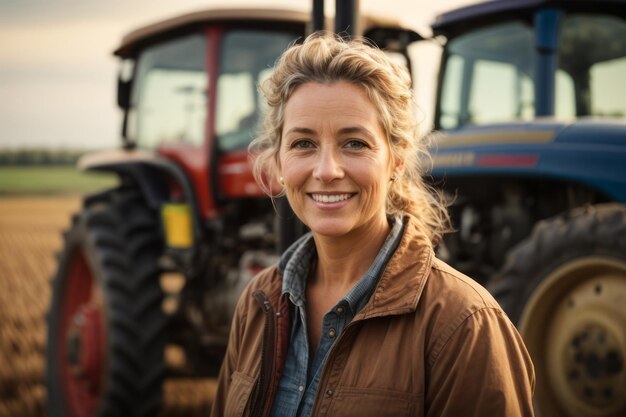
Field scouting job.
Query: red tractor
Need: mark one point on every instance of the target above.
(157, 263)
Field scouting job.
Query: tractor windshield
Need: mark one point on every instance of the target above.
(247, 59)
(168, 101)
(591, 80)
(489, 75)
(169, 96)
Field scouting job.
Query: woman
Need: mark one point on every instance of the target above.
(359, 318)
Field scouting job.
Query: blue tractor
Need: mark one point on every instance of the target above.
(531, 149)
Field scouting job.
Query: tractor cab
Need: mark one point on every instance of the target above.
(189, 90)
(517, 61)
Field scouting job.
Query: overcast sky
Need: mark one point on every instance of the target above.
(58, 76)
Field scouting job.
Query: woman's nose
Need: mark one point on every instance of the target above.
(328, 166)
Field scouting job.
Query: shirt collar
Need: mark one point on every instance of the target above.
(360, 294)
(295, 265)
(298, 259)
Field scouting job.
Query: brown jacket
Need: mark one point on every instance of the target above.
(430, 342)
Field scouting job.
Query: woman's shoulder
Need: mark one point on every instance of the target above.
(440, 287)
(454, 304)
(470, 330)
(457, 289)
(265, 280)
(455, 308)
(268, 280)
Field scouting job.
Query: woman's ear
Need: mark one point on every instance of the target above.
(277, 173)
(398, 168)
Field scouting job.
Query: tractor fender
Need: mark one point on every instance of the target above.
(149, 171)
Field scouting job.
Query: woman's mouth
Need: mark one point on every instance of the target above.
(330, 198)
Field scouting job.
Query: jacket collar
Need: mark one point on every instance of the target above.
(297, 261)
(402, 282)
(400, 287)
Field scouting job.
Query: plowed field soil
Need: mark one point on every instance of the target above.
(30, 236)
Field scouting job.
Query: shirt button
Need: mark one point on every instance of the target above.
(332, 333)
(339, 310)
(301, 388)
(329, 392)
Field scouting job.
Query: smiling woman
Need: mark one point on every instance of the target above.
(334, 161)
(359, 318)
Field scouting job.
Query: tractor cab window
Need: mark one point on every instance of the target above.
(488, 77)
(247, 59)
(168, 100)
(591, 80)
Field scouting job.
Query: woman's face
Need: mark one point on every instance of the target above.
(334, 159)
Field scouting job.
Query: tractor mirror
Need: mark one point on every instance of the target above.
(124, 82)
(123, 93)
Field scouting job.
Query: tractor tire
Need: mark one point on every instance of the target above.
(106, 327)
(565, 288)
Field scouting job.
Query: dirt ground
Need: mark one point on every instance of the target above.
(30, 237)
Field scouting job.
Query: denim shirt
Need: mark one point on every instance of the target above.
(298, 384)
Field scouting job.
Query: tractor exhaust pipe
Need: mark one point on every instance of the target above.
(317, 19)
(346, 12)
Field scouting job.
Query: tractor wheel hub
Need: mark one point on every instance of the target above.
(85, 350)
(593, 363)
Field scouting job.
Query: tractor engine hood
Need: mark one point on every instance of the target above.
(594, 132)
(591, 132)
(588, 151)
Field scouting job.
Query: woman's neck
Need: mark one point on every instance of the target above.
(342, 261)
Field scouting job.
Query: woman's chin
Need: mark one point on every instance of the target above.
(333, 228)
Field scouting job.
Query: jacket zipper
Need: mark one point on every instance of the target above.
(260, 393)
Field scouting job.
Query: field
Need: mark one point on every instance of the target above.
(30, 235)
(51, 180)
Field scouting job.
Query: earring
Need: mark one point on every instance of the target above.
(281, 181)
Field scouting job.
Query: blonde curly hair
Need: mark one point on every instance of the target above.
(327, 58)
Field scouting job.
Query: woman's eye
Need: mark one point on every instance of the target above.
(301, 144)
(356, 144)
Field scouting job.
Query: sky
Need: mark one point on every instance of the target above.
(58, 74)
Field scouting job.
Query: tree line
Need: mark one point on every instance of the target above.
(40, 156)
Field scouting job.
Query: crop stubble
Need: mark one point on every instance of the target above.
(30, 236)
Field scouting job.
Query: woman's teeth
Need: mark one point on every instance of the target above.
(324, 198)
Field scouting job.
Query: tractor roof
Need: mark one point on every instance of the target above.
(460, 20)
(135, 39)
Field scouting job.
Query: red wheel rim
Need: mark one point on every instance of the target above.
(82, 340)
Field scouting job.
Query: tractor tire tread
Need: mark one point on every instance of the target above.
(583, 231)
(121, 237)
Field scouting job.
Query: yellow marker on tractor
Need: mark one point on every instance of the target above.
(177, 225)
